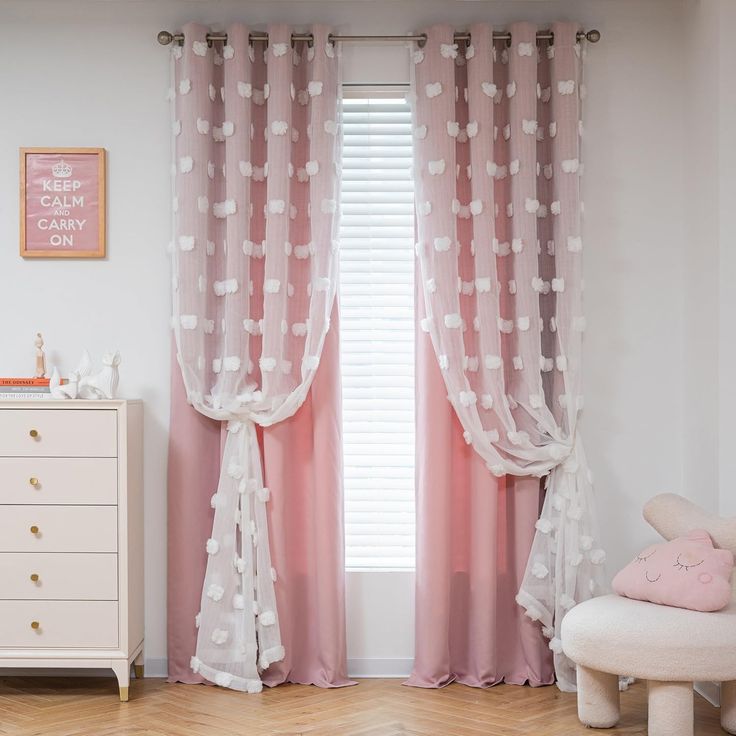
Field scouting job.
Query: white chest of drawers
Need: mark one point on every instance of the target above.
(71, 535)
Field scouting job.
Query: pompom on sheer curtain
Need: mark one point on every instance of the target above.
(497, 166)
(254, 276)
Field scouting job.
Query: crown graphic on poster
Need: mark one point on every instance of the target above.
(61, 170)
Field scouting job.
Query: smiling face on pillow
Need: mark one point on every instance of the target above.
(687, 572)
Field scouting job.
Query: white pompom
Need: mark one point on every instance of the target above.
(448, 50)
(433, 90)
(220, 636)
(544, 526)
(436, 167)
(215, 592)
(566, 86)
(279, 127)
(267, 618)
(574, 243)
(442, 244)
(489, 89)
(467, 398)
(213, 546)
(525, 49)
(597, 556)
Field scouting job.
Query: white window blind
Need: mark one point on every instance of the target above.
(377, 332)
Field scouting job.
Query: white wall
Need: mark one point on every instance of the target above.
(726, 172)
(83, 73)
(709, 308)
(709, 299)
(700, 286)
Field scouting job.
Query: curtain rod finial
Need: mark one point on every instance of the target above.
(593, 36)
(165, 37)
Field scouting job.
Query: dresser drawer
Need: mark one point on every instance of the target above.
(58, 432)
(49, 480)
(59, 576)
(60, 624)
(58, 529)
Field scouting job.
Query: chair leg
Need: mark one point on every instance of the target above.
(728, 706)
(598, 698)
(670, 708)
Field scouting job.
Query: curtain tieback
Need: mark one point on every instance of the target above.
(565, 565)
(238, 624)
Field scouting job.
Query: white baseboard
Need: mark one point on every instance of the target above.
(711, 691)
(156, 667)
(380, 667)
(368, 668)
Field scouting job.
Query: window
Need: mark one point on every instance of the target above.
(377, 332)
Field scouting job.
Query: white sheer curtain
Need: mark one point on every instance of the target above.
(254, 260)
(497, 156)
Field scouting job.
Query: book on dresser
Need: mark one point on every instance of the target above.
(18, 389)
(27, 382)
(71, 536)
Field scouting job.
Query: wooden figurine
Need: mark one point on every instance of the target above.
(40, 357)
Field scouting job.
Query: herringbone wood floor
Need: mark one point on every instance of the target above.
(90, 707)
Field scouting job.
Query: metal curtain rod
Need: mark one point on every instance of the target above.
(166, 37)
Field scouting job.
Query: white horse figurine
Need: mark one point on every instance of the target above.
(83, 384)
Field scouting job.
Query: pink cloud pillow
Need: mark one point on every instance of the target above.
(687, 572)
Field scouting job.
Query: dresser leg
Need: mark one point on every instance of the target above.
(138, 666)
(121, 668)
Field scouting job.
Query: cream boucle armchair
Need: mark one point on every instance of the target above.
(611, 636)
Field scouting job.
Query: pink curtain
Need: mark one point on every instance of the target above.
(497, 180)
(302, 461)
(474, 533)
(256, 178)
(192, 478)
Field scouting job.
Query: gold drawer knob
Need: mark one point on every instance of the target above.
(35, 625)
(34, 577)
(33, 482)
(34, 529)
(33, 433)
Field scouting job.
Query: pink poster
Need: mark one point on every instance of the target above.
(63, 202)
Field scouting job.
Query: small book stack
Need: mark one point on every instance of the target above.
(21, 389)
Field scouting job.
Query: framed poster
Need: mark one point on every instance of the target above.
(62, 202)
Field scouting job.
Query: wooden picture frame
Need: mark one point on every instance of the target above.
(62, 203)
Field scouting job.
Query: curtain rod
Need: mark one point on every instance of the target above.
(166, 37)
